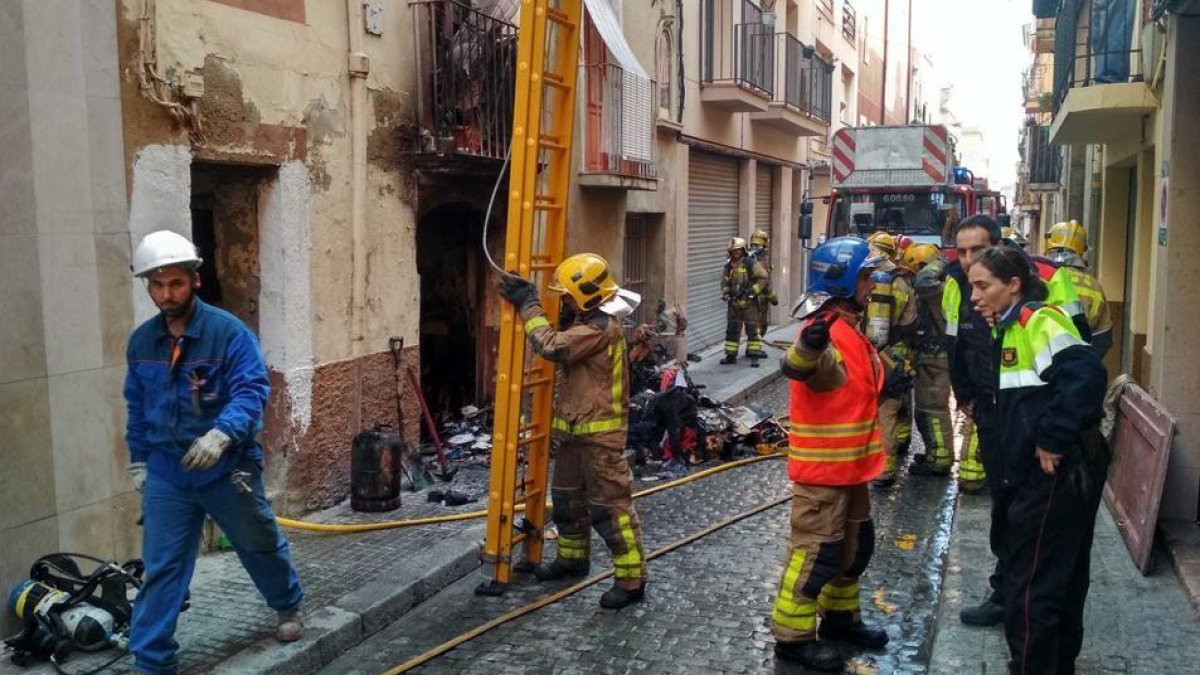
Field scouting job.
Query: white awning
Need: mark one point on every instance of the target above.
(637, 135)
(610, 31)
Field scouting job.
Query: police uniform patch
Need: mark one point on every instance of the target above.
(1008, 356)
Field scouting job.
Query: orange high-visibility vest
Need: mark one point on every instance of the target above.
(835, 437)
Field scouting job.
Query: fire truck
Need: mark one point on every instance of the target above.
(903, 180)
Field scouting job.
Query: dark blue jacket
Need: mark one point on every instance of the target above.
(167, 410)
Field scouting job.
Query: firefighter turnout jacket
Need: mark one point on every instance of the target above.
(1050, 387)
(835, 437)
(1095, 307)
(593, 386)
(743, 281)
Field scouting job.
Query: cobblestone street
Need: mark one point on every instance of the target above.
(708, 603)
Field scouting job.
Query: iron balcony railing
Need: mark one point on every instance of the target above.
(807, 79)
(1042, 157)
(750, 60)
(466, 78)
(1083, 58)
(849, 21)
(826, 5)
(619, 129)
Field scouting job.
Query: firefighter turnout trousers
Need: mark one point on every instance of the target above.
(591, 488)
(740, 318)
(971, 472)
(832, 540)
(931, 394)
(1050, 523)
(894, 415)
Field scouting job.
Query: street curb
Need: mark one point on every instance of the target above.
(748, 393)
(1181, 539)
(356, 616)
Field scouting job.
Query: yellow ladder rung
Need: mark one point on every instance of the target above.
(543, 267)
(532, 439)
(530, 384)
(555, 80)
(547, 206)
(559, 17)
(546, 142)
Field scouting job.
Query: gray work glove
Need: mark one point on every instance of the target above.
(520, 292)
(137, 473)
(206, 451)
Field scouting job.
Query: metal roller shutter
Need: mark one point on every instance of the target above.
(712, 221)
(762, 198)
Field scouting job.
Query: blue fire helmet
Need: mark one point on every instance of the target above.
(836, 265)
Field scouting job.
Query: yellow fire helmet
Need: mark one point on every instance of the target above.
(586, 278)
(917, 256)
(1013, 235)
(1069, 235)
(884, 243)
(760, 238)
(736, 243)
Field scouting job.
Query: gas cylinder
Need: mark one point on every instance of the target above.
(879, 308)
(86, 626)
(375, 460)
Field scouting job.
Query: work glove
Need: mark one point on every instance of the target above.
(774, 301)
(206, 451)
(137, 473)
(520, 292)
(815, 335)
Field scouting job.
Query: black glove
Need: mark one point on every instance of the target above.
(815, 335)
(520, 292)
(774, 301)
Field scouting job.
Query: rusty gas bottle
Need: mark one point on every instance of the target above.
(375, 464)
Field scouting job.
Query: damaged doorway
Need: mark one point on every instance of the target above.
(458, 342)
(225, 228)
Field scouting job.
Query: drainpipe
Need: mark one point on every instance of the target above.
(883, 91)
(358, 65)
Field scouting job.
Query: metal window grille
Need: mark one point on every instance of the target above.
(637, 230)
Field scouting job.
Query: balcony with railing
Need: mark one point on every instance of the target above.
(1035, 86)
(803, 91)
(1043, 159)
(465, 82)
(737, 69)
(618, 138)
(1100, 94)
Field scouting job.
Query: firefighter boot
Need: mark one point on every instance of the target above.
(729, 360)
(618, 597)
(853, 632)
(754, 360)
(812, 654)
(555, 570)
(986, 613)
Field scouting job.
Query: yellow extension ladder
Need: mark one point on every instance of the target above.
(539, 179)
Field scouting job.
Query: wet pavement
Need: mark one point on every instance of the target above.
(708, 603)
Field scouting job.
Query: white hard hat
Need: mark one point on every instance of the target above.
(164, 248)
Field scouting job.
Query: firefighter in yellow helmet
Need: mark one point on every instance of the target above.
(1011, 236)
(591, 483)
(743, 280)
(1066, 244)
(760, 251)
(931, 386)
(890, 318)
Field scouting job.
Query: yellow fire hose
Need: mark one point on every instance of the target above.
(571, 590)
(481, 513)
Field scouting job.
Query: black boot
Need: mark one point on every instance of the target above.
(617, 597)
(856, 633)
(921, 466)
(813, 655)
(729, 360)
(554, 570)
(753, 361)
(986, 613)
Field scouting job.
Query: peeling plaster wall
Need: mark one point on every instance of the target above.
(276, 93)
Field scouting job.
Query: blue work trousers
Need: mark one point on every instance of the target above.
(173, 521)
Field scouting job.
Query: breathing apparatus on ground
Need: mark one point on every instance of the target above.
(63, 610)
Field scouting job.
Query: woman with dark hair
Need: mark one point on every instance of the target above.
(1050, 390)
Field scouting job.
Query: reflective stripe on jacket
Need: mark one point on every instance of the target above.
(834, 437)
(592, 374)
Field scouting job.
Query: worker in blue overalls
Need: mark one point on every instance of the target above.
(195, 392)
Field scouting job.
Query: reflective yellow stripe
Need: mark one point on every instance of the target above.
(586, 428)
(839, 598)
(538, 321)
(573, 548)
(904, 432)
(840, 429)
(628, 565)
(790, 612)
(940, 454)
(618, 374)
(971, 469)
(826, 455)
(797, 362)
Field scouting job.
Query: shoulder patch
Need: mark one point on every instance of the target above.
(1045, 269)
(1028, 309)
(1008, 356)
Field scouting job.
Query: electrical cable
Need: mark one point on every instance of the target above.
(571, 590)
(470, 515)
(487, 216)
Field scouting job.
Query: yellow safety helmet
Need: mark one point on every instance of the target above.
(917, 256)
(586, 278)
(736, 243)
(884, 243)
(1069, 235)
(1014, 236)
(760, 238)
